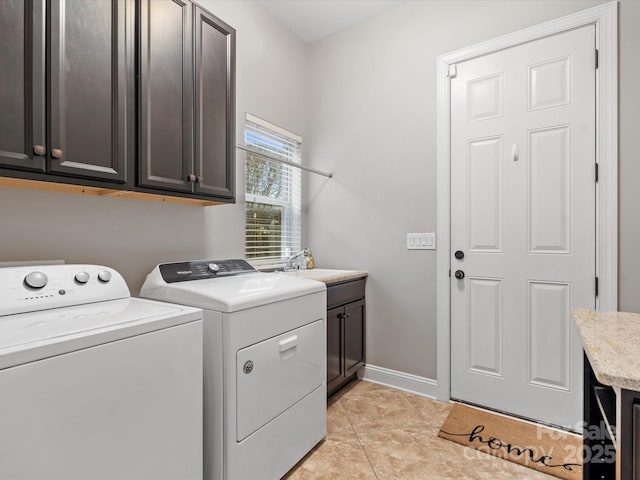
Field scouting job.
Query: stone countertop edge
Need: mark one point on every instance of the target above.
(611, 341)
(329, 276)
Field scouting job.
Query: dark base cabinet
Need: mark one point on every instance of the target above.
(599, 409)
(346, 319)
(611, 452)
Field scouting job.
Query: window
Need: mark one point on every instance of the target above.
(273, 192)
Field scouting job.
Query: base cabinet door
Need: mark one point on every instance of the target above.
(334, 347)
(22, 95)
(353, 337)
(346, 321)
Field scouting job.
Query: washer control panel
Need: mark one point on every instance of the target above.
(202, 269)
(40, 287)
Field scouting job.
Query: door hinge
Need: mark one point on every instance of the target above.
(453, 71)
(596, 286)
(597, 58)
(597, 172)
(449, 273)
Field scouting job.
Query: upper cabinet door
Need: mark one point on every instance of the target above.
(215, 105)
(166, 94)
(22, 96)
(90, 89)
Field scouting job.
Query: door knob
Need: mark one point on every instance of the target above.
(459, 274)
(459, 254)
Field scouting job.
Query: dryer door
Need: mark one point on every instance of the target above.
(274, 374)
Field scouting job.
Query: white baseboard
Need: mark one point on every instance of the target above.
(400, 380)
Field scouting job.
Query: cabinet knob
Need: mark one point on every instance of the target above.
(193, 178)
(39, 149)
(56, 153)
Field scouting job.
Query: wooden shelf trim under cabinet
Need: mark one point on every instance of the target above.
(7, 182)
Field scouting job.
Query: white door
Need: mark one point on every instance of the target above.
(523, 215)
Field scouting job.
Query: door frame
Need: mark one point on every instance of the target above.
(605, 19)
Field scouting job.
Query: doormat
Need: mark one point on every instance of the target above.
(553, 452)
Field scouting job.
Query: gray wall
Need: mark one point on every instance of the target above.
(629, 156)
(130, 236)
(373, 121)
(133, 236)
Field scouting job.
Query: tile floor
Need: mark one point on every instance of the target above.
(379, 433)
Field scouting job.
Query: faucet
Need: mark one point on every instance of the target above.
(297, 261)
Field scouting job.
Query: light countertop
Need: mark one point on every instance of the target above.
(329, 276)
(612, 344)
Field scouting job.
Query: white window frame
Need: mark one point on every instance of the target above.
(286, 204)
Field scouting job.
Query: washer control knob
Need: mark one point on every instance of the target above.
(104, 276)
(214, 267)
(36, 279)
(82, 277)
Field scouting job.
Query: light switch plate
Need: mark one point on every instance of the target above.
(421, 241)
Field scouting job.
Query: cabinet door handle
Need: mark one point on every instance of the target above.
(56, 153)
(193, 178)
(39, 149)
(347, 315)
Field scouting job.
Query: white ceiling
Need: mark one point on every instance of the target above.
(312, 20)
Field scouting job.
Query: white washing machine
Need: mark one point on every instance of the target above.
(95, 384)
(264, 363)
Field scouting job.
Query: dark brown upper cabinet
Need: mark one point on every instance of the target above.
(187, 100)
(70, 112)
(215, 105)
(91, 88)
(166, 94)
(22, 85)
(87, 132)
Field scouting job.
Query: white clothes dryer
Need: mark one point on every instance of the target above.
(95, 384)
(264, 363)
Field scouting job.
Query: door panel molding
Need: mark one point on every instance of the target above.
(604, 17)
(546, 192)
(484, 332)
(484, 183)
(543, 327)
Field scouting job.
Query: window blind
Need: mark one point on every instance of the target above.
(273, 192)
